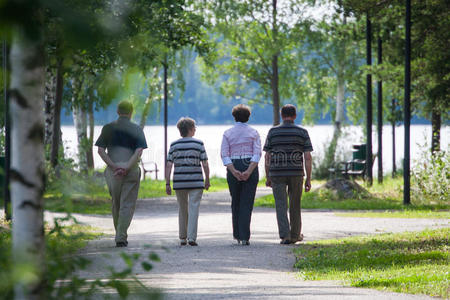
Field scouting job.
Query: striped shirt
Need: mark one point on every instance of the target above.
(286, 144)
(241, 140)
(186, 155)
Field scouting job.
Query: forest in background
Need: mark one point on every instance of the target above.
(199, 100)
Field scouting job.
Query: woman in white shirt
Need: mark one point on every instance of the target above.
(241, 152)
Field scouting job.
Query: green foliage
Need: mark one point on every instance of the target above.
(406, 213)
(414, 262)
(386, 196)
(63, 265)
(430, 63)
(333, 50)
(73, 192)
(249, 36)
(430, 178)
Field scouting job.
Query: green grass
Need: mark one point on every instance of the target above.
(91, 196)
(60, 245)
(414, 262)
(386, 196)
(407, 213)
(157, 188)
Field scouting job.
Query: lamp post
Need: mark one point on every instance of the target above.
(369, 100)
(380, 115)
(165, 114)
(6, 191)
(407, 106)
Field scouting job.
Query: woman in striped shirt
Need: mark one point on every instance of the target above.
(241, 152)
(189, 156)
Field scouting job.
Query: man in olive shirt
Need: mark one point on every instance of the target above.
(120, 145)
(288, 150)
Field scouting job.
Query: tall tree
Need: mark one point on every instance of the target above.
(257, 49)
(430, 62)
(333, 68)
(27, 164)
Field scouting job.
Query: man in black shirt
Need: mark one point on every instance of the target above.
(288, 154)
(120, 145)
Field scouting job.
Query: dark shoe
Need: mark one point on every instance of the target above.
(245, 243)
(238, 241)
(285, 242)
(183, 243)
(300, 238)
(192, 243)
(121, 244)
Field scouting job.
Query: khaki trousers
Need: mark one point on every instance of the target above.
(281, 187)
(124, 193)
(189, 205)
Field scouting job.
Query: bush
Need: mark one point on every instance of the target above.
(62, 265)
(430, 178)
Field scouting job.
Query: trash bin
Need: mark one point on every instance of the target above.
(359, 153)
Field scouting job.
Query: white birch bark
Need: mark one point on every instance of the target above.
(340, 100)
(27, 165)
(80, 122)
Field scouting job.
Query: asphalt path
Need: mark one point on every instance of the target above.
(219, 268)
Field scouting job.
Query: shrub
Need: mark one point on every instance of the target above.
(430, 178)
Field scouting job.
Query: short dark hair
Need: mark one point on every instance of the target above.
(241, 113)
(185, 124)
(288, 110)
(125, 108)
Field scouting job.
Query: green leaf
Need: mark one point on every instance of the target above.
(154, 257)
(147, 266)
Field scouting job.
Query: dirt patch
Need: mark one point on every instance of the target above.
(344, 188)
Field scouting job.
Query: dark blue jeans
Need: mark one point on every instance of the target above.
(242, 199)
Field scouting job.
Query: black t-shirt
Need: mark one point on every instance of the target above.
(121, 133)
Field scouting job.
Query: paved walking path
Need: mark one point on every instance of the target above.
(219, 268)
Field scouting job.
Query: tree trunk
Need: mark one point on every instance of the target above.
(49, 103)
(436, 131)
(275, 80)
(338, 121)
(90, 141)
(27, 165)
(80, 122)
(148, 103)
(394, 166)
(56, 137)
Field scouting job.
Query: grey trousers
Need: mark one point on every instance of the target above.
(189, 205)
(282, 186)
(124, 193)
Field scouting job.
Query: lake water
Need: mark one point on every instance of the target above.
(320, 135)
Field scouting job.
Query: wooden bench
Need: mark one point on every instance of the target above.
(149, 167)
(355, 167)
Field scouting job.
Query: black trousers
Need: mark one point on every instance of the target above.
(242, 199)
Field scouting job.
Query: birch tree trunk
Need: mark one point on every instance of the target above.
(27, 165)
(435, 131)
(49, 103)
(90, 139)
(80, 122)
(146, 110)
(339, 119)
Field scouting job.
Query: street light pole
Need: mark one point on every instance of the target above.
(380, 115)
(6, 191)
(369, 100)
(165, 114)
(407, 106)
